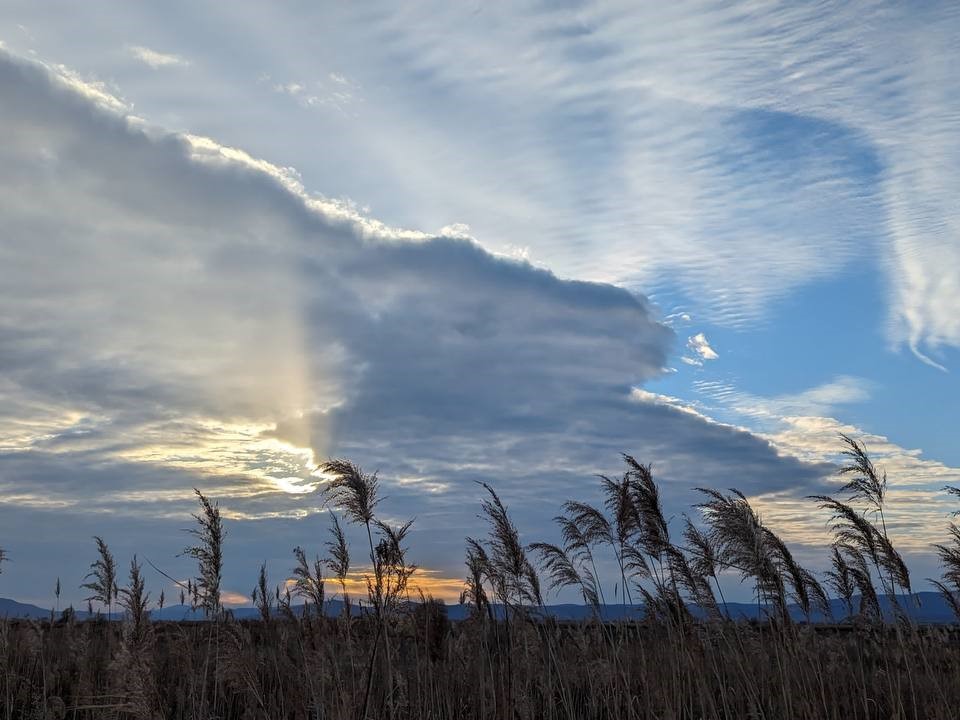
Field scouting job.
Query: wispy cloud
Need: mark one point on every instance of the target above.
(804, 425)
(156, 59)
(823, 399)
(336, 91)
(731, 153)
(728, 154)
(700, 347)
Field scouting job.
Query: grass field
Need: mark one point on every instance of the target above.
(317, 668)
(508, 659)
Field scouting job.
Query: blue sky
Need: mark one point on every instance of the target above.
(499, 242)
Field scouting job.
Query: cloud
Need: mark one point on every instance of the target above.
(698, 345)
(728, 155)
(179, 313)
(336, 92)
(917, 512)
(154, 59)
(290, 88)
(823, 399)
(803, 425)
(719, 156)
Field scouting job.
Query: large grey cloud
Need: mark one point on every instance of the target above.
(177, 313)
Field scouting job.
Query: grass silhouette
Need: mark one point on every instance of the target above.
(681, 656)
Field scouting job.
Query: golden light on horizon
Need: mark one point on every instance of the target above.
(431, 583)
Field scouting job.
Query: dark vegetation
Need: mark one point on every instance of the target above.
(508, 659)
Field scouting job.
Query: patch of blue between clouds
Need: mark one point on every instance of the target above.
(824, 330)
(827, 327)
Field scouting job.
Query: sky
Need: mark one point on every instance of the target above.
(454, 242)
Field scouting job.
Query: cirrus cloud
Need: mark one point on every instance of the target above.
(156, 59)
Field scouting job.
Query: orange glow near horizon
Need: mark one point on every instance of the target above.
(430, 582)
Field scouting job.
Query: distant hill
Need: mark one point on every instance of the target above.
(932, 608)
(13, 609)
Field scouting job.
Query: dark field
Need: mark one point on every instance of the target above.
(430, 668)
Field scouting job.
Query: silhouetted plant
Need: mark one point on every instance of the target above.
(356, 492)
(134, 600)
(284, 602)
(854, 531)
(870, 485)
(744, 544)
(352, 489)
(696, 586)
(703, 552)
(390, 585)
(338, 561)
(131, 677)
(208, 552)
(583, 527)
(514, 579)
(261, 596)
(478, 573)
(562, 573)
(840, 579)
(851, 528)
(617, 502)
(545, 670)
(574, 564)
(309, 583)
(860, 572)
(893, 564)
(591, 525)
(651, 527)
(804, 589)
(650, 553)
(859, 541)
(949, 554)
(102, 576)
(867, 484)
(955, 491)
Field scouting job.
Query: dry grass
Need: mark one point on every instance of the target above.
(314, 668)
(403, 660)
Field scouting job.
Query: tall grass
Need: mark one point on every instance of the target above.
(102, 577)
(679, 656)
(208, 552)
(949, 555)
